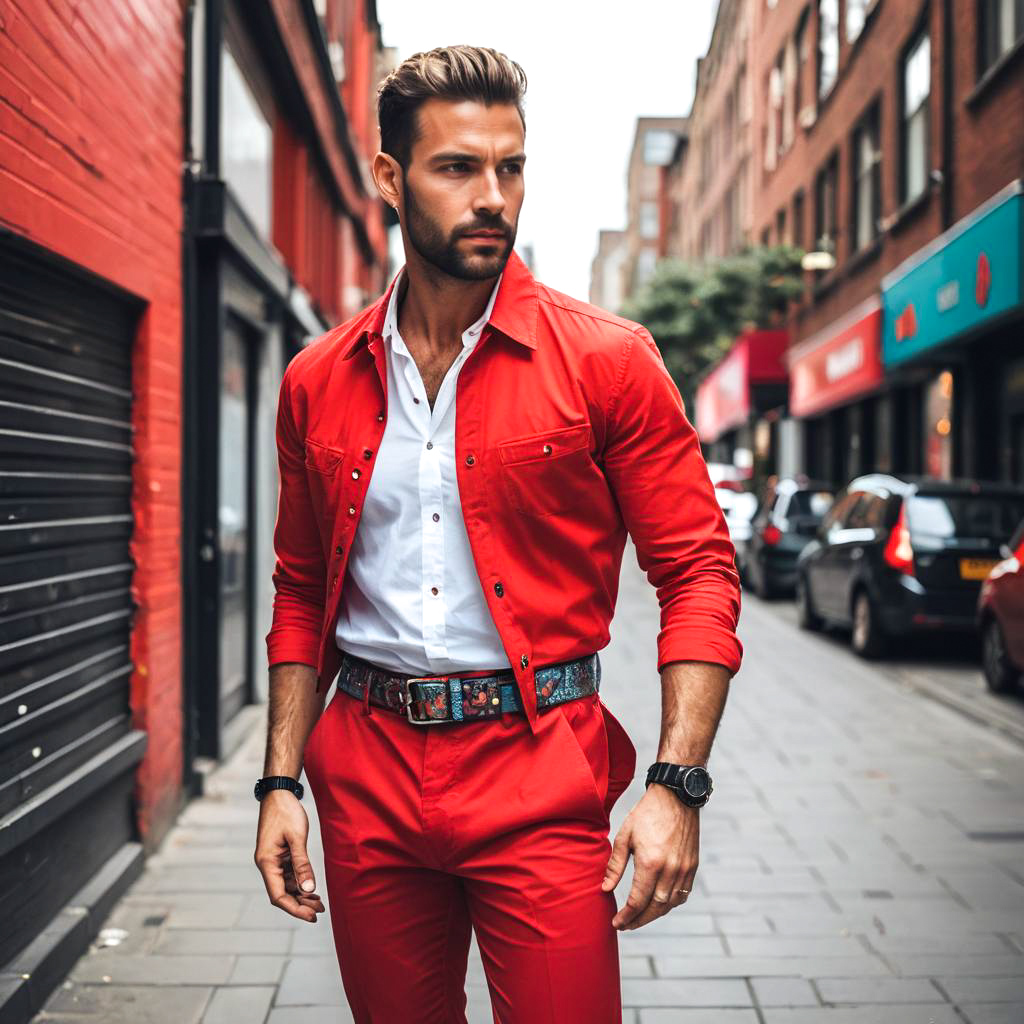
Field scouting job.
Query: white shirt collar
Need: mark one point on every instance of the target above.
(470, 336)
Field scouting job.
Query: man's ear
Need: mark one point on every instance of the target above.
(387, 175)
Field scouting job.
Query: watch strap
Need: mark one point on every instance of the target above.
(672, 775)
(269, 782)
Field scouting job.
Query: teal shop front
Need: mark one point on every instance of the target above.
(968, 277)
(953, 313)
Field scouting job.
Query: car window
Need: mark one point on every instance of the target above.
(856, 518)
(840, 512)
(989, 517)
(813, 504)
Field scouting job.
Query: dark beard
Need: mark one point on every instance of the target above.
(429, 241)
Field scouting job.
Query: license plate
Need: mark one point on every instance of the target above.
(976, 568)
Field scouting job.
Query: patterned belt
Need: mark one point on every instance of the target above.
(433, 700)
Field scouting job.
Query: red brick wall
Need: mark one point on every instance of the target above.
(90, 167)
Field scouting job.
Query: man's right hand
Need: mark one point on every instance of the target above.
(281, 856)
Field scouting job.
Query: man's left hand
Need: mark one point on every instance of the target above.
(664, 836)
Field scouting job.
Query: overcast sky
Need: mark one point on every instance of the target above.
(593, 68)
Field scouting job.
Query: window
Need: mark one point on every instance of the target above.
(826, 186)
(246, 144)
(917, 73)
(856, 15)
(648, 220)
(867, 181)
(645, 263)
(798, 219)
(828, 45)
(1000, 25)
(780, 227)
(659, 145)
(800, 45)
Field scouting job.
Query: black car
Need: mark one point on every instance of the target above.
(786, 521)
(894, 556)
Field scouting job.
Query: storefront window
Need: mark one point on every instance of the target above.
(938, 406)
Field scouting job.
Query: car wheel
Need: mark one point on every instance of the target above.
(806, 616)
(868, 640)
(1000, 673)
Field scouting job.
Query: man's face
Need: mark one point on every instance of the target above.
(464, 187)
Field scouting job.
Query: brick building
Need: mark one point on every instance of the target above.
(888, 137)
(707, 186)
(654, 144)
(184, 203)
(608, 271)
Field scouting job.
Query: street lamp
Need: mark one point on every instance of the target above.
(822, 258)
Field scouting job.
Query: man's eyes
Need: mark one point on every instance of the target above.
(463, 168)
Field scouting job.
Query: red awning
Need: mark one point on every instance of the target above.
(838, 364)
(724, 396)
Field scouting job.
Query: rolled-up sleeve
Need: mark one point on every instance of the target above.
(653, 462)
(300, 568)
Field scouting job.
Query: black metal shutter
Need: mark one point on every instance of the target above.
(67, 751)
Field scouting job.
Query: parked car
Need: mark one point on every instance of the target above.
(899, 555)
(739, 508)
(1001, 617)
(786, 521)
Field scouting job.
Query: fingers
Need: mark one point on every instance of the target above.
(646, 874)
(617, 861)
(283, 864)
(659, 887)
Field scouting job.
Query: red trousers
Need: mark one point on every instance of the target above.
(429, 831)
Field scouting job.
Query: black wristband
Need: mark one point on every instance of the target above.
(265, 785)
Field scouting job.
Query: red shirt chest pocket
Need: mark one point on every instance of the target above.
(323, 463)
(548, 472)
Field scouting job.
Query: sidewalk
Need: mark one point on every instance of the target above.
(862, 862)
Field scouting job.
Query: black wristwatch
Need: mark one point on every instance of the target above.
(690, 782)
(264, 786)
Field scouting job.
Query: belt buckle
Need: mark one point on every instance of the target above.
(407, 694)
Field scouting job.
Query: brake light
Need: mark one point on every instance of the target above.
(771, 535)
(898, 552)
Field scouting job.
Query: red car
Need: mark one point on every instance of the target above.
(1001, 617)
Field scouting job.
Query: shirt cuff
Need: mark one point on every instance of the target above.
(719, 647)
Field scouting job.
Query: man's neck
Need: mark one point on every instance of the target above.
(435, 308)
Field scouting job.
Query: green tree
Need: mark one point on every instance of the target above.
(696, 312)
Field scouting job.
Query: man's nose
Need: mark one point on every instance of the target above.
(489, 198)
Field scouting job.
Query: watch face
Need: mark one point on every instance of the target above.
(697, 783)
(258, 789)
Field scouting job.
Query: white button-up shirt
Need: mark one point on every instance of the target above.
(413, 600)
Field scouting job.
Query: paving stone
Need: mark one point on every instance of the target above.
(215, 940)
(154, 969)
(934, 965)
(985, 990)
(311, 980)
(994, 1013)
(784, 992)
(674, 1015)
(257, 970)
(907, 1013)
(635, 967)
(311, 1015)
(232, 1004)
(684, 993)
(126, 1004)
(877, 990)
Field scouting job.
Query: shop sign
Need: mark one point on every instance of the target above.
(838, 364)
(967, 276)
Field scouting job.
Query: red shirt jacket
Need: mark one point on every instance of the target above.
(569, 433)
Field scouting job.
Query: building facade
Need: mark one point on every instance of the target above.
(608, 271)
(887, 141)
(148, 314)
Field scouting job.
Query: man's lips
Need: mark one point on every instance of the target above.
(484, 234)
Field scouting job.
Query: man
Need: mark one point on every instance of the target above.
(460, 464)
